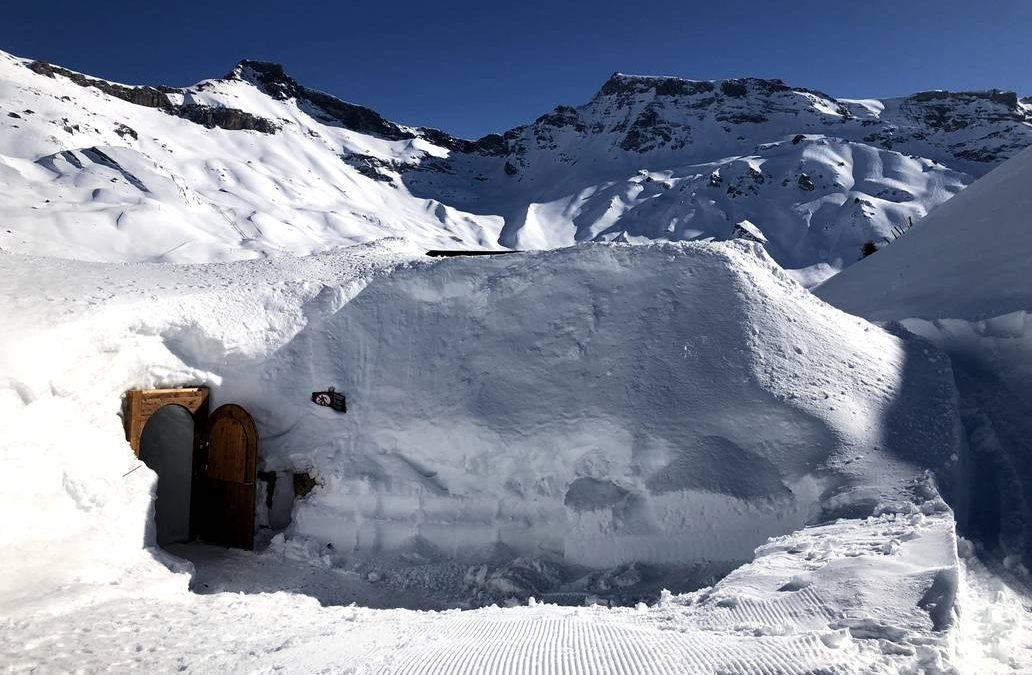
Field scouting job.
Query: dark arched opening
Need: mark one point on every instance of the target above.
(167, 447)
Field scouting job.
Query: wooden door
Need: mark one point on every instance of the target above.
(225, 511)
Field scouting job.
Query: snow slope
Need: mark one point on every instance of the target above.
(255, 164)
(84, 174)
(961, 279)
(969, 259)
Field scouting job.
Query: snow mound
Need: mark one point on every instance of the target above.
(590, 404)
(596, 405)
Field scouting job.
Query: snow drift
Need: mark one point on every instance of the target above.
(961, 278)
(595, 405)
(968, 259)
(591, 404)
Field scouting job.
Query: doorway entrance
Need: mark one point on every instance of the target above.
(207, 490)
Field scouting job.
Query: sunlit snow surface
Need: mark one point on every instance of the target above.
(645, 159)
(646, 352)
(961, 279)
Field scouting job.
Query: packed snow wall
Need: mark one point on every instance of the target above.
(602, 404)
(961, 279)
(674, 403)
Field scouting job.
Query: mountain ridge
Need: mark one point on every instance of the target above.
(645, 158)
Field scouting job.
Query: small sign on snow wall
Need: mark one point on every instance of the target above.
(330, 399)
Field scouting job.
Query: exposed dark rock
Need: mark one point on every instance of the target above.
(798, 138)
(273, 80)
(145, 96)
(647, 131)
(14, 115)
(98, 156)
(269, 77)
(662, 86)
(373, 167)
(741, 118)
(734, 88)
(563, 116)
(225, 118)
(806, 183)
(1008, 99)
(231, 119)
(492, 144)
(123, 131)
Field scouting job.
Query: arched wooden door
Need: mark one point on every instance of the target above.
(224, 514)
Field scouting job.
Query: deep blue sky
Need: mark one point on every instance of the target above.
(475, 67)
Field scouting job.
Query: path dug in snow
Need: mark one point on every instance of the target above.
(846, 598)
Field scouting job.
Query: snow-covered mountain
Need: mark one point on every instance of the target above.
(255, 164)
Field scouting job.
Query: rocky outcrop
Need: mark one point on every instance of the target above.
(145, 96)
(272, 79)
(231, 119)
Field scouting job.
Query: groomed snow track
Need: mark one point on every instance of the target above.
(544, 640)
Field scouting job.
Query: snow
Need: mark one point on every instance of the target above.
(765, 616)
(929, 273)
(563, 412)
(501, 394)
(960, 279)
(645, 159)
(585, 426)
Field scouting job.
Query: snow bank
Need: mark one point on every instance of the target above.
(591, 404)
(961, 279)
(594, 405)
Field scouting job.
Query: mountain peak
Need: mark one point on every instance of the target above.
(1003, 97)
(667, 85)
(268, 76)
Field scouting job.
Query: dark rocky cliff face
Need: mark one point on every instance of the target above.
(231, 119)
(145, 96)
(272, 79)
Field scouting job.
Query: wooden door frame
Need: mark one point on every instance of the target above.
(142, 404)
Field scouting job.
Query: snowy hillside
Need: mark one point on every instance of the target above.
(962, 278)
(255, 164)
(969, 259)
